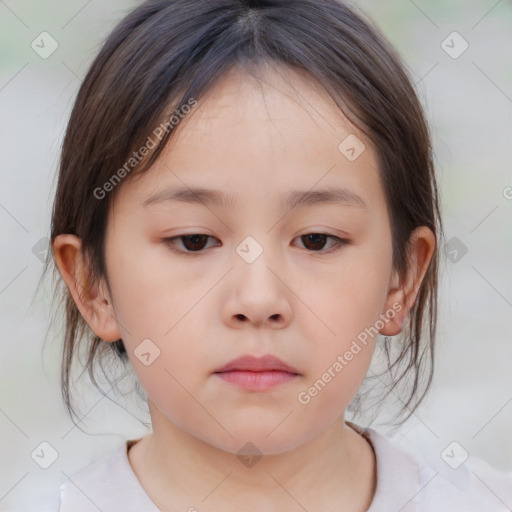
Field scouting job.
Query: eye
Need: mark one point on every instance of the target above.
(315, 242)
(195, 243)
(192, 243)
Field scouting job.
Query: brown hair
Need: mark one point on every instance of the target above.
(167, 51)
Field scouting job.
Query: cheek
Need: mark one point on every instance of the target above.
(152, 296)
(339, 362)
(366, 277)
(333, 388)
(346, 300)
(347, 304)
(171, 386)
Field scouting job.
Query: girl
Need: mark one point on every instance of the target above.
(246, 200)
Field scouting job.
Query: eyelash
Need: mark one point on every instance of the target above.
(170, 242)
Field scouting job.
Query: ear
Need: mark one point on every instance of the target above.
(91, 298)
(401, 296)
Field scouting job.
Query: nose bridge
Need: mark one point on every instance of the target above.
(253, 263)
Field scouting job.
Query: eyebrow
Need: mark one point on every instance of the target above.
(295, 198)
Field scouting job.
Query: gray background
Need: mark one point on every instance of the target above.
(468, 100)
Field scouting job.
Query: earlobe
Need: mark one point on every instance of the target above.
(395, 311)
(402, 295)
(92, 298)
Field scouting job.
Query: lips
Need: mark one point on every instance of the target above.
(257, 374)
(249, 363)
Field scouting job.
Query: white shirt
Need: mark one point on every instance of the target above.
(405, 483)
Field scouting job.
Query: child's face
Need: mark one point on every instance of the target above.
(298, 301)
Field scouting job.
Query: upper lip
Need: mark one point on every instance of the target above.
(257, 364)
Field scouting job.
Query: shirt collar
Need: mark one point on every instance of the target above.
(398, 474)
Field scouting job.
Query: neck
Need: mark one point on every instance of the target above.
(335, 470)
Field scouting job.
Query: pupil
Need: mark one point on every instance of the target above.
(317, 238)
(196, 240)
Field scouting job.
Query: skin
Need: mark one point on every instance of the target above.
(256, 140)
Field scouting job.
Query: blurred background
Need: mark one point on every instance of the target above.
(459, 54)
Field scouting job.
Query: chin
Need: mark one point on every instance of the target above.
(254, 441)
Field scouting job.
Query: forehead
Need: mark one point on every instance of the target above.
(262, 136)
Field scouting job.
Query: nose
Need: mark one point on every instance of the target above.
(257, 296)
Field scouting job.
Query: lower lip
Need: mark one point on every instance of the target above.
(257, 381)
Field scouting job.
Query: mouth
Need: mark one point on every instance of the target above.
(257, 374)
